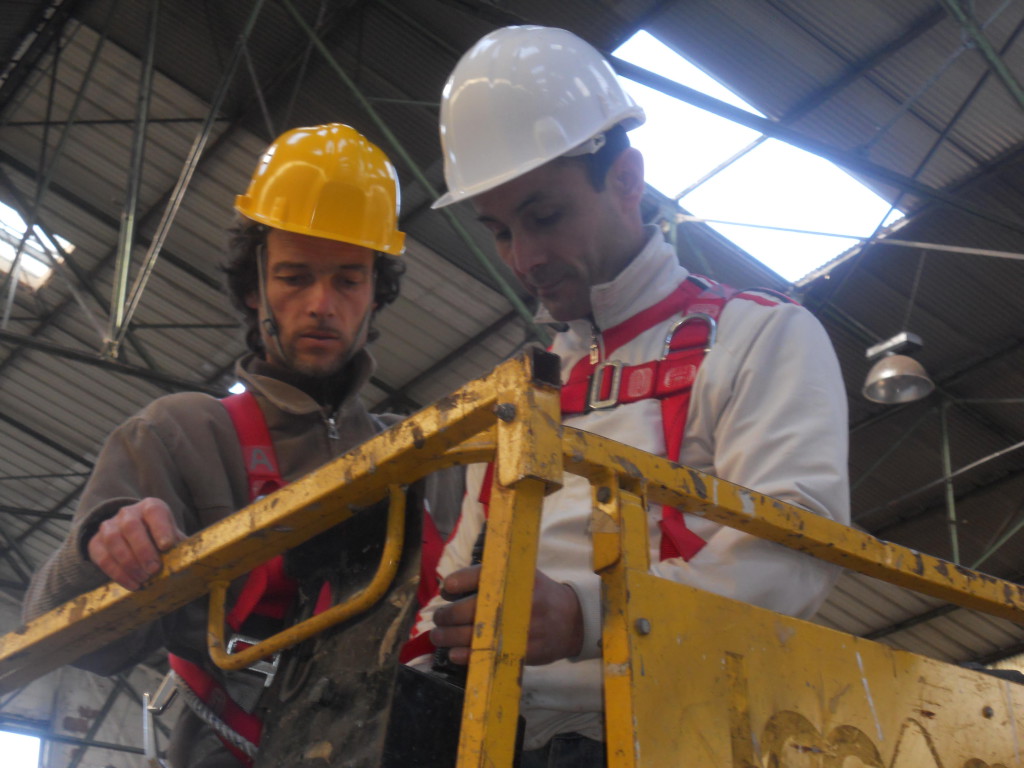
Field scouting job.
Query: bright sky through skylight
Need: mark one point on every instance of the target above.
(34, 269)
(19, 751)
(775, 184)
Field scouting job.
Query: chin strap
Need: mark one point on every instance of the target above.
(359, 340)
(269, 323)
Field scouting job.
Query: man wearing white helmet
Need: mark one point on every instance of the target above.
(533, 127)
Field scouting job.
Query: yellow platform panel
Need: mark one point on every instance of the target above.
(713, 683)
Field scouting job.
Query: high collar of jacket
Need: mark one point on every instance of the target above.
(290, 398)
(651, 276)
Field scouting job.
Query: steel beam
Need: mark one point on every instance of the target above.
(97, 721)
(90, 358)
(947, 476)
(23, 512)
(44, 31)
(995, 61)
(13, 726)
(945, 479)
(187, 171)
(818, 97)
(126, 235)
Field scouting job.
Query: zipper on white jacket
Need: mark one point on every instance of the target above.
(332, 428)
(595, 343)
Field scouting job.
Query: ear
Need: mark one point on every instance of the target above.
(252, 300)
(626, 177)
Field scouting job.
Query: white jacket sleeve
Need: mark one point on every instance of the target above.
(768, 412)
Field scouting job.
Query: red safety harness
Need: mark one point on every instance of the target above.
(267, 592)
(698, 302)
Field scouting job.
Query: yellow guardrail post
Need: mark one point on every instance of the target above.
(528, 465)
(619, 527)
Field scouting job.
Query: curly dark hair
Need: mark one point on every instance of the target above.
(245, 237)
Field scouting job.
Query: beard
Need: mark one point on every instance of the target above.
(316, 366)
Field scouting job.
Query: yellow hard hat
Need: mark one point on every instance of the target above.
(327, 181)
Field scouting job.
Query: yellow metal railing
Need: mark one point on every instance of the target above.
(512, 417)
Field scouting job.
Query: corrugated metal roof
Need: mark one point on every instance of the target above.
(883, 78)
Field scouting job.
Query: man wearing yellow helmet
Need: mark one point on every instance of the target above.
(534, 129)
(312, 260)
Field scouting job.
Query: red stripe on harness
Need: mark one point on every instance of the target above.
(669, 379)
(267, 591)
(216, 697)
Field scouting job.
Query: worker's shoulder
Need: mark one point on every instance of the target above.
(759, 304)
(758, 312)
(183, 411)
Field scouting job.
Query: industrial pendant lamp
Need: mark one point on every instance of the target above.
(896, 378)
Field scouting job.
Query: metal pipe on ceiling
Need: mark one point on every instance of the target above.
(1000, 540)
(507, 291)
(12, 726)
(22, 512)
(188, 169)
(946, 478)
(947, 475)
(98, 719)
(126, 234)
(872, 240)
(995, 61)
(106, 363)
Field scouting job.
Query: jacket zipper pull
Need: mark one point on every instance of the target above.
(332, 428)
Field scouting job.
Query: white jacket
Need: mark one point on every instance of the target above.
(768, 411)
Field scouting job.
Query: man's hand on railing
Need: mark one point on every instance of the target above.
(127, 546)
(556, 620)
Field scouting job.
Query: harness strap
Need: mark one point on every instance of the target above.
(213, 694)
(699, 302)
(267, 591)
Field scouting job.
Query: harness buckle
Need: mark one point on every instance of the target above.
(594, 400)
(266, 667)
(699, 316)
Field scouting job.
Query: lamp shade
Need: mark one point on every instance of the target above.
(897, 379)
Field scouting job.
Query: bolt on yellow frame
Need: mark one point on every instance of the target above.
(689, 677)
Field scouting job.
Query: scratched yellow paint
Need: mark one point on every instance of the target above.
(707, 682)
(691, 679)
(717, 683)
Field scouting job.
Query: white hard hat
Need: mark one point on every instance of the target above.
(523, 96)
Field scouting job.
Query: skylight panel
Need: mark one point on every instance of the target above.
(34, 267)
(19, 751)
(707, 163)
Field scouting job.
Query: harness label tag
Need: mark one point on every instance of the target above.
(676, 375)
(639, 383)
(259, 459)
